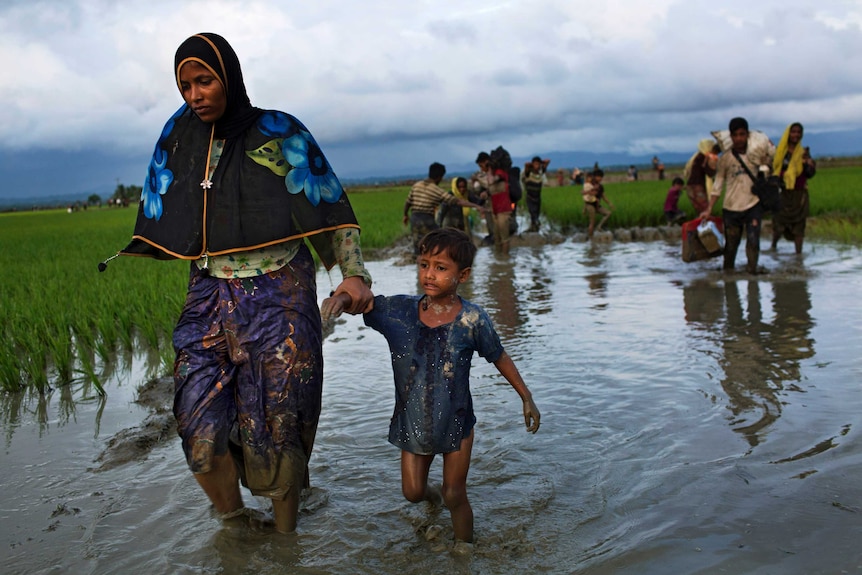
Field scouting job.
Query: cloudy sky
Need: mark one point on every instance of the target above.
(389, 86)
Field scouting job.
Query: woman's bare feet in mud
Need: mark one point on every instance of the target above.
(248, 516)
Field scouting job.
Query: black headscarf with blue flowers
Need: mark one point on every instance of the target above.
(272, 183)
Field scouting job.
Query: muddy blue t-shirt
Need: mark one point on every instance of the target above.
(431, 365)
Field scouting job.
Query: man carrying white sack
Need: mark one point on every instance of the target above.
(741, 208)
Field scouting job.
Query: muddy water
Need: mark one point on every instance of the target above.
(692, 422)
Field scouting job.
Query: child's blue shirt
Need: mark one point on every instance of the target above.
(431, 366)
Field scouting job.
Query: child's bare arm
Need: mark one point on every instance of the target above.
(507, 369)
(334, 305)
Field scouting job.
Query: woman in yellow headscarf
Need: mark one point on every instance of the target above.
(453, 215)
(699, 173)
(794, 164)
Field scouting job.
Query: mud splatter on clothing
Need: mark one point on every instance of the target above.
(248, 374)
(431, 366)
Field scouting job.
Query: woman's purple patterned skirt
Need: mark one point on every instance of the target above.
(249, 372)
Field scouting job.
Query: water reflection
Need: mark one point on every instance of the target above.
(495, 279)
(760, 359)
(24, 407)
(538, 290)
(597, 281)
(58, 406)
(633, 470)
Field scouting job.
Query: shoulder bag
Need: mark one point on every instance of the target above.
(768, 190)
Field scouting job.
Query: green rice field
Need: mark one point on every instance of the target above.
(64, 321)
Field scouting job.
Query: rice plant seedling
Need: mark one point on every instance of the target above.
(62, 306)
(833, 195)
(379, 212)
(63, 321)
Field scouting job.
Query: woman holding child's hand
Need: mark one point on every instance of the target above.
(432, 339)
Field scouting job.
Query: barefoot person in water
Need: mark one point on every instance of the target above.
(248, 373)
(432, 338)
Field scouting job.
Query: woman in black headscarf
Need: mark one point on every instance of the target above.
(236, 190)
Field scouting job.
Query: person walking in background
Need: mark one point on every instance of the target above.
(577, 176)
(794, 164)
(432, 339)
(742, 209)
(594, 194)
(496, 181)
(658, 166)
(632, 174)
(424, 198)
(532, 179)
(455, 216)
(672, 213)
(480, 193)
(699, 173)
(238, 190)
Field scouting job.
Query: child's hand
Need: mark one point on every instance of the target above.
(356, 297)
(531, 416)
(332, 307)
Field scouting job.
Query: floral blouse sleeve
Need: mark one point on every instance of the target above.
(345, 244)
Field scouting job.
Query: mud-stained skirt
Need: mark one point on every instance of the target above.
(248, 374)
(790, 221)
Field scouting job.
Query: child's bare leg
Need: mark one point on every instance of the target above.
(455, 468)
(606, 214)
(284, 511)
(414, 478)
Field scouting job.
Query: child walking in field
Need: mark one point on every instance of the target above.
(432, 338)
(672, 213)
(594, 195)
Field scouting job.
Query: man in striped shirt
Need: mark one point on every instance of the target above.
(422, 201)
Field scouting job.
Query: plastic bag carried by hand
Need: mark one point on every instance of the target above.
(710, 236)
(693, 249)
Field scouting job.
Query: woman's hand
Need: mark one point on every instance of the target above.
(361, 298)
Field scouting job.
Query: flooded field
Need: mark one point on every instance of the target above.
(692, 422)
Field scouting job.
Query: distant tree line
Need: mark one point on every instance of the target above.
(123, 195)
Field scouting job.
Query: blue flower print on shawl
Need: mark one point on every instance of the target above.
(310, 171)
(277, 124)
(159, 178)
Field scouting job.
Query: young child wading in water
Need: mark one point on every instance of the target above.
(432, 339)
